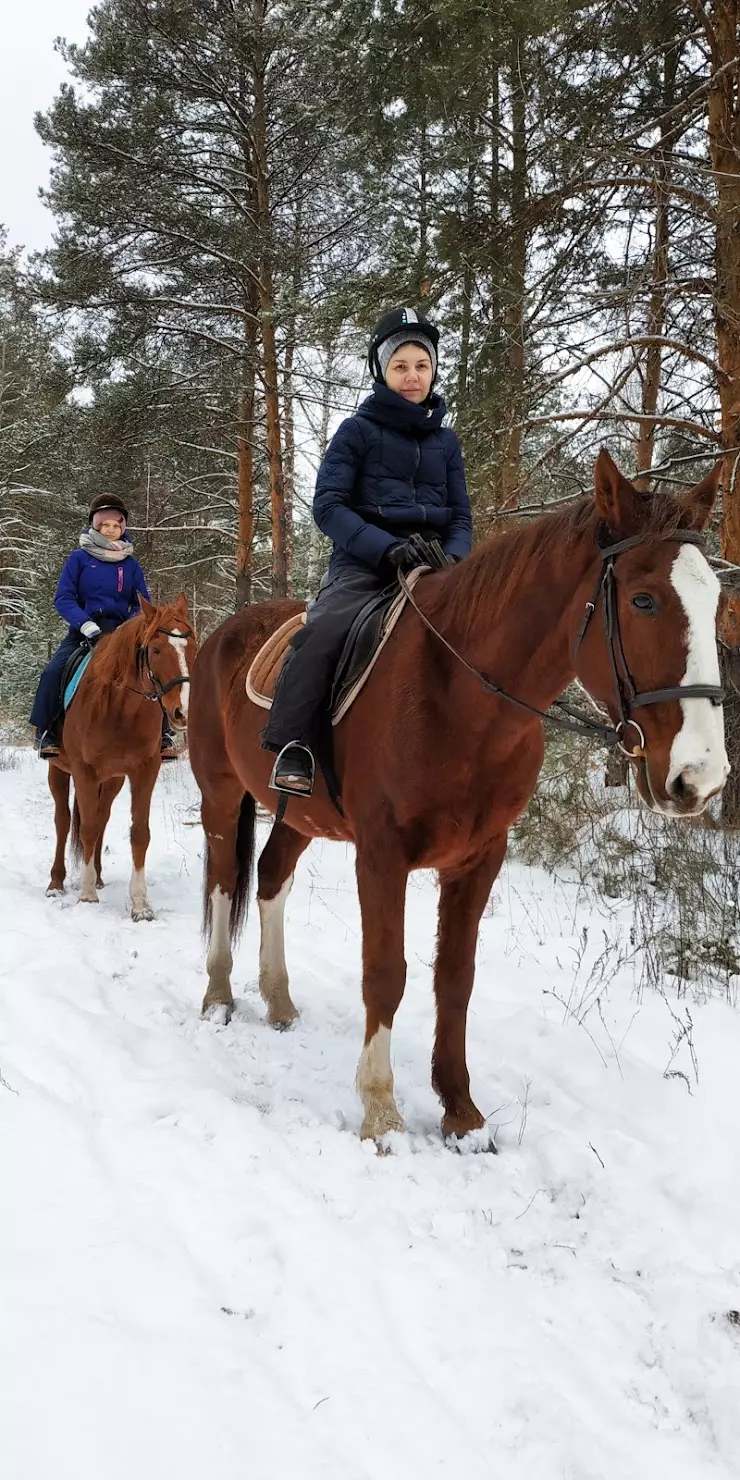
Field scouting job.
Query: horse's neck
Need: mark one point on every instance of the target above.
(125, 666)
(523, 634)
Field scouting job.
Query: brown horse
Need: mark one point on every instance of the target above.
(434, 769)
(111, 732)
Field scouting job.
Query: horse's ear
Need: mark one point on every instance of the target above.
(145, 606)
(697, 506)
(614, 496)
(182, 603)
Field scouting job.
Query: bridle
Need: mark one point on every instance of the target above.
(144, 669)
(628, 697)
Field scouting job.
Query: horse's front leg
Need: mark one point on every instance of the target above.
(382, 874)
(462, 900)
(142, 785)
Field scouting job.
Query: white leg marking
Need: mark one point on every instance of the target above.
(273, 970)
(375, 1087)
(220, 960)
(140, 906)
(698, 750)
(88, 892)
(179, 644)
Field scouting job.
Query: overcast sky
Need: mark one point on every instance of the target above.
(30, 74)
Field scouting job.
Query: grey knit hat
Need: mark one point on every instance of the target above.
(411, 335)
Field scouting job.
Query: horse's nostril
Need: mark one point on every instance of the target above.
(681, 790)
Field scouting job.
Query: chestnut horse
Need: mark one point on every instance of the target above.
(434, 767)
(111, 732)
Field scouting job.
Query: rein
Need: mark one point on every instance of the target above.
(627, 695)
(144, 667)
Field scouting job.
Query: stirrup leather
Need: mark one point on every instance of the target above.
(281, 786)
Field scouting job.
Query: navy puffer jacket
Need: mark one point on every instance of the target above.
(389, 470)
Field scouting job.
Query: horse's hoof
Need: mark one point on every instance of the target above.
(53, 890)
(461, 1125)
(88, 899)
(218, 1013)
(283, 1020)
(142, 912)
(473, 1142)
(100, 883)
(378, 1123)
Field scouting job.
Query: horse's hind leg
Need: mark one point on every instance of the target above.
(227, 814)
(462, 900)
(59, 783)
(87, 799)
(277, 862)
(108, 793)
(382, 874)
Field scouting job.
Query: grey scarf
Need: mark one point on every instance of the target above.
(96, 544)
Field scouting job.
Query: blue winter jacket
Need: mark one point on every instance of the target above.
(90, 589)
(389, 470)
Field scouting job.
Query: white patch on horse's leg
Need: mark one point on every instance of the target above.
(375, 1088)
(88, 892)
(698, 750)
(273, 971)
(140, 906)
(180, 644)
(219, 960)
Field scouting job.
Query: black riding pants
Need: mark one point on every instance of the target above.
(305, 680)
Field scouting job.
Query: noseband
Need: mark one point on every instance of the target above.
(627, 695)
(144, 668)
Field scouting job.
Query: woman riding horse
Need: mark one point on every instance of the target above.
(391, 471)
(99, 588)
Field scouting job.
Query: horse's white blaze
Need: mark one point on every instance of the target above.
(180, 643)
(273, 970)
(219, 951)
(698, 750)
(375, 1086)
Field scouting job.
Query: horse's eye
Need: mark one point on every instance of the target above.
(156, 650)
(644, 603)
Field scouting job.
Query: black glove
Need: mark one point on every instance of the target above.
(402, 556)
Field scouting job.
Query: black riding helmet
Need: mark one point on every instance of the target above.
(402, 322)
(108, 501)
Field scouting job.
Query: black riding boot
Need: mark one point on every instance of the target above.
(294, 770)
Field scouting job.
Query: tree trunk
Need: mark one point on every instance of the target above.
(267, 317)
(245, 463)
(660, 265)
(724, 144)
(288, 398)
(468, 281)
(314, 547)
(509, 468)
(723, 123)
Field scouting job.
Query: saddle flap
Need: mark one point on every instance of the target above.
(72, 673)
(365, 641)
(367, 637)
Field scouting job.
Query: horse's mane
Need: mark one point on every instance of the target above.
(493, 572)
(116, 655)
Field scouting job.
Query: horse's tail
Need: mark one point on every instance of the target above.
(74, 838)
(245, 841)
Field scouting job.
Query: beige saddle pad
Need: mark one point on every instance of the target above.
(265, 667)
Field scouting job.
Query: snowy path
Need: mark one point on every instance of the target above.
(206, 1274)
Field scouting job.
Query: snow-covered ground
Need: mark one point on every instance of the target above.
(206, 1274)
